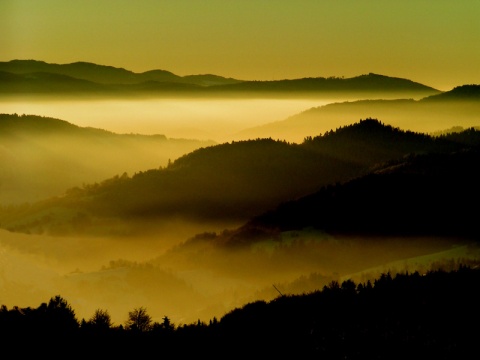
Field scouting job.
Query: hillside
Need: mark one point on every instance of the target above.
(166, 262)
(43, 157)
(469, 92)
(421, 195)
(403, 215)
(232, 181)
(458, 107)
(391, 317)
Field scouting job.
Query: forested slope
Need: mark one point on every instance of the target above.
(396, 316)
(232, 181)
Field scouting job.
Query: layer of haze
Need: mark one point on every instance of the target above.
(200, 282)
(429, 41)
(212, 119)
(120, 273)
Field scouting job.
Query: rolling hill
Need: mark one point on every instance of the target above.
(420, 195)
(457, 107)
(366, 85)
(406, 214)
(232, 181)
(357, 201)
(470, 92)
(43, 157)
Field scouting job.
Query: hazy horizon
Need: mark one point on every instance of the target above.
(429, 41)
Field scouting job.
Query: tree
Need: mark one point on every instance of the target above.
(167, 324)
(57, 316)
(100, 320)
(138, 320)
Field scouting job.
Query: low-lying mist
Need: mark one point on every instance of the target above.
(173, 267)
(189, 118)
(38, 165)
(191, 277)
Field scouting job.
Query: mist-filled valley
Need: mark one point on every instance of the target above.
(215, 119)
(191, 206)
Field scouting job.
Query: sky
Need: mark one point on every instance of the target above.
(434, 42)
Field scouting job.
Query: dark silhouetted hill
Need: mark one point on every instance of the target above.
(103, 74)
(459, 93)
(429, 195)
(47, 83)
(392, 317)
(240, 180)
(409, 315)
(364, 83)
(13, 125)
(80, 70)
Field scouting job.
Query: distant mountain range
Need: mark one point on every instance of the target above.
(102, 74)
(38, 77)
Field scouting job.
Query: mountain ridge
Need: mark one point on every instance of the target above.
(105, 74)
(117, 81)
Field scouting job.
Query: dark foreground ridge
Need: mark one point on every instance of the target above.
(410, 315)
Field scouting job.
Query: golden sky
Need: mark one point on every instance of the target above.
(435, 42)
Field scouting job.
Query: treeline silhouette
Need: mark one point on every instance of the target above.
(406, 315)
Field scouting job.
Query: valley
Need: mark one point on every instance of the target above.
(194, 205)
